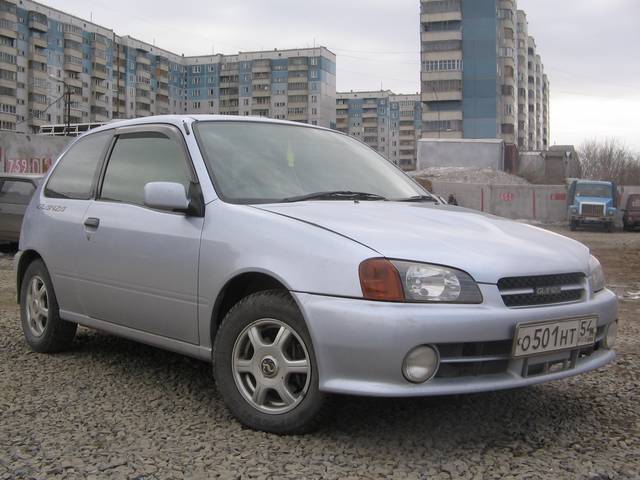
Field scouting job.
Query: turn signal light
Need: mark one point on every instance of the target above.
(380, 280)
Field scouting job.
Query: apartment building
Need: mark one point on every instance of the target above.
(481, 74)
(386, 122)
(45, 52)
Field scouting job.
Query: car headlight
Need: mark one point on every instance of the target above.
(596, 275)
(574, 209)
(611, 211)
(400, 281)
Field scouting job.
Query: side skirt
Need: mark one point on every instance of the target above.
(188, 349)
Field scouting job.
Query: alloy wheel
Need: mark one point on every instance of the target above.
(271, 366)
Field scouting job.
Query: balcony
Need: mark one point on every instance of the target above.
(443, 35)
(97, 72)
(8, 28)
(298, 68)
(74, 82)
(100, 102)
(143, 60)
(38, 22)
(38, 103)
(441, 16)
(162, 90)
(142, 98)
(261, 67)
(430, 96)
(143, 86)
(73, 35)
(38, 55)
(143, 73)
(262, 93)
(99, 87)
(99, 57)
(73, 52)
(40, 42)
(297, 117)
(8, 100)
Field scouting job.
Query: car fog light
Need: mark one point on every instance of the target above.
(612, 334)
(420, 364)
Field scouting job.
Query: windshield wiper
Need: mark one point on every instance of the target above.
(419, 198)
(335, 195)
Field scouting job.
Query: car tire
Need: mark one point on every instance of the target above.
(267, 387)
(43, 329)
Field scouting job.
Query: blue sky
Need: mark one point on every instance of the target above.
(588, 46)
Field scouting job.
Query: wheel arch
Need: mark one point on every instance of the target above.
(238, 287)
(27, 257)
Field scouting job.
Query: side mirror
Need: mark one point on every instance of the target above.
(169, 196)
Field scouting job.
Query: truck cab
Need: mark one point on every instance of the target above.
(592, 203)
(631, 215)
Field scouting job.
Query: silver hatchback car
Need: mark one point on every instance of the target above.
(301, 264)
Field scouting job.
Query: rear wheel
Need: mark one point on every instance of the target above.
(265, 367)
(42, 326)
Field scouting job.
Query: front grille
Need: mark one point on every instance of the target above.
(542, 289)
(473, 358)
(592, 210)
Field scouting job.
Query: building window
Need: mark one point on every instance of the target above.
(442, 65)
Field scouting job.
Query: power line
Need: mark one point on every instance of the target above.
(44, 111)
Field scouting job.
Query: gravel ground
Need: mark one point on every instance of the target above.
(111, 408)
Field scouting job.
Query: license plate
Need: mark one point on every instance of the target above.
(543, 337)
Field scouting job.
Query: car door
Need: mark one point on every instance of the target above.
(14, 198)
(139, 266)
(58, 234)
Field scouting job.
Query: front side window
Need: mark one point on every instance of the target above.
(254, 162)
(16, 192)
(74, 175)
(140, 158)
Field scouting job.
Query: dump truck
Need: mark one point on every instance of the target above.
(592, 203)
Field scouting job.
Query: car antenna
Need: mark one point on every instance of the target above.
(186, 127)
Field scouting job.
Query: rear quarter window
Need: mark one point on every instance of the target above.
(17, 192)
(75, 174)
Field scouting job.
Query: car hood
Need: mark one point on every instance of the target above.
(485, 246)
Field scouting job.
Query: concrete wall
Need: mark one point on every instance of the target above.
(544, 203)
(21, 153)
(435, 152)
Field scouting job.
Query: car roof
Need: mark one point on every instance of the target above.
(179, 120)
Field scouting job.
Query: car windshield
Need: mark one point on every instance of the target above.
(259, 162)
(593, 190)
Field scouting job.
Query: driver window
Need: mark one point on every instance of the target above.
(140, 158)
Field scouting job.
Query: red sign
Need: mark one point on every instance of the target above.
(559, 196)
(27, 165)
(507, 196)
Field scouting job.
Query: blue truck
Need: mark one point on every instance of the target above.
(593, 203)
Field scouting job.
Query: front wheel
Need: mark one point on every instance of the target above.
(265, 368)
(43, 328)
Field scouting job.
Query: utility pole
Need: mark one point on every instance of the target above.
(68, 105)
(67, 102)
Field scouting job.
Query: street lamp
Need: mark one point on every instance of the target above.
(67, 102)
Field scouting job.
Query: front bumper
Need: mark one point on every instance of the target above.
(360, 345)
(586, 219)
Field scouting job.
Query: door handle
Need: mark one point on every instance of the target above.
(92, 222)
